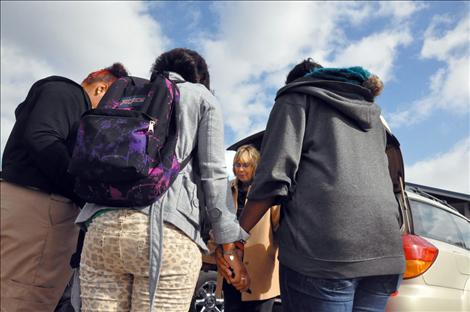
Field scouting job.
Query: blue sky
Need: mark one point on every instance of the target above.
(421, 50)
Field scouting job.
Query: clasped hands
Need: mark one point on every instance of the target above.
(230, 264)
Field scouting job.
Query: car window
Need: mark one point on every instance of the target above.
(433, 222)
(464, 228)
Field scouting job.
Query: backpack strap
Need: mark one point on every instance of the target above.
(188, 159)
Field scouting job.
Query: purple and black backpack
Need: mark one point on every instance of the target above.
(125, 149)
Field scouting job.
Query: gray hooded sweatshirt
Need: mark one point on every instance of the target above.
(323, 156)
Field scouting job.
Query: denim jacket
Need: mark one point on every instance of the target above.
(200, 139)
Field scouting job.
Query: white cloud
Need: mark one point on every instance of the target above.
(376, 52)
(195, 18)
(449, 86)
(450, 171)
(453, 43)
(78, 37)
(399, 9)
(71, 39)
(361, 12)
(419, 110)
(453, 92)
(259, 42)
(17, 74)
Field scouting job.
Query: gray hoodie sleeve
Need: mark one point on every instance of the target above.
(214, 180)
(281, 150)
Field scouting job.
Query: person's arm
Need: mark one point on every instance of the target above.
(275, 217)
(254, 210)
(214, 180)
(219, 204)
(50, 123)
(280, 157)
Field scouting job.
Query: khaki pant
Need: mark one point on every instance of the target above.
(114, 269)
(38, 236)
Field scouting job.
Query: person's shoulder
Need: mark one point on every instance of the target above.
(59, 84)
(199, 93)
(198, 88)
(58, 89)
(208, 97)
(292, 99)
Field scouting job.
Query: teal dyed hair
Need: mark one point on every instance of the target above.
(355, 75)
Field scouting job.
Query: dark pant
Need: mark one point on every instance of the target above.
(301, 293)
(233, 301)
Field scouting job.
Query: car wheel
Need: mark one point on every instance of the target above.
(204, 299)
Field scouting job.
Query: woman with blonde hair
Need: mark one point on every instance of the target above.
(260, 251)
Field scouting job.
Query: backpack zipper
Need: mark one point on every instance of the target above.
(151, 126)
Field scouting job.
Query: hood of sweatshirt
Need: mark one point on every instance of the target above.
(354, 101)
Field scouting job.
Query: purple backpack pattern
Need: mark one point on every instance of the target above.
(124, 153)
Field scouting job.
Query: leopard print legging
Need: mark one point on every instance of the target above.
(115, 265)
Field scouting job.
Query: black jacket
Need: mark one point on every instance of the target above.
(38, 150)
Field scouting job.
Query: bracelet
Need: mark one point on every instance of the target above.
(228, 252)
(240, 245)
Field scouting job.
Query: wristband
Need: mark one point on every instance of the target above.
(228, 252)
(240, 245)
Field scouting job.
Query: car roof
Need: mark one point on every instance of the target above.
(254, 139)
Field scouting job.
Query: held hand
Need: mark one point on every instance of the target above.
(222, 265)
(239, 277)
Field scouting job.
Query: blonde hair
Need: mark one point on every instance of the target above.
(248, 151)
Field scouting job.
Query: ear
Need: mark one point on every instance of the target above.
(100, 88)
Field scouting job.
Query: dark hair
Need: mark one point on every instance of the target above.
(108, 74)
(301, 69)
(186, 62)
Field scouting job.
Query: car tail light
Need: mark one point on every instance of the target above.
(419, 254)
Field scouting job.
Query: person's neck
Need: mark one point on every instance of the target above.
(244, 185)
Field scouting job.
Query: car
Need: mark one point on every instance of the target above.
(437, 252)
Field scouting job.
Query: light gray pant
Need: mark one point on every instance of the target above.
(114, 266)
